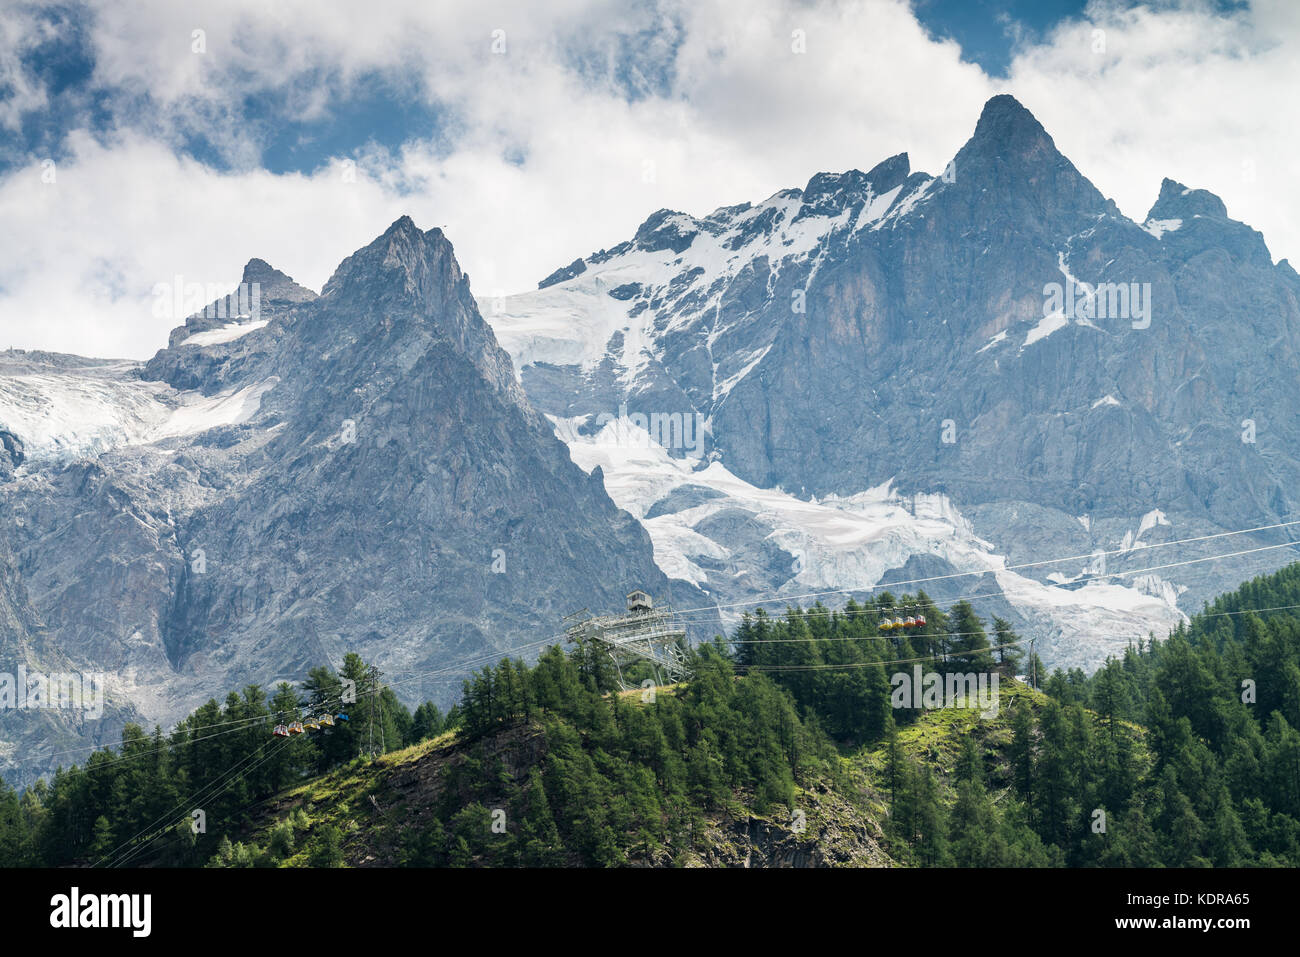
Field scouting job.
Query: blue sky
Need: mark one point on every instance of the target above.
(538, 132)
(987, 30)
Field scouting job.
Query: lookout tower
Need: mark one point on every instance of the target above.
(638, 601)
(643, 634)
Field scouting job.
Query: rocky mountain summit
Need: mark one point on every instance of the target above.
(997, 354)
(357, 470)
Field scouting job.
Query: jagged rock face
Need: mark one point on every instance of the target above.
(262, 288)
(891, 327)
(404, 464)
(853, 391)
(360, 472)
(895, 340)
(38, 738)
(17, 620)
(11, 454)
(214, 348)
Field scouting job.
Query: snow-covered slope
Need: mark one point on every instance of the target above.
(63, 409)
(223, 334)
(745, 545)
(695, 286)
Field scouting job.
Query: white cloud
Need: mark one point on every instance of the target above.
(19, 32)
(1179, 92)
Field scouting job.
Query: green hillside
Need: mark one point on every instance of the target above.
(792, 744)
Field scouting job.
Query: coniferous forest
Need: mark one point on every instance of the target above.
(1183, 751)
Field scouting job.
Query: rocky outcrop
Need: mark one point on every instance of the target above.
(361, 473)
(1000, 334)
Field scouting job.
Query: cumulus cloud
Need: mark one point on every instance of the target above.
(562, 126)
(1134, 94)
(20, 32)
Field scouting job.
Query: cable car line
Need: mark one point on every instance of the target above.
(167, 815)
(138, 849)
(834, 666)
(247, 723)
(1034, 564)
(1098, 577)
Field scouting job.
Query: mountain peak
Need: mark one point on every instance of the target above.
(273, 285)
(889, 173)
(1011, 166)
(1176, 201)
(403, 249)
(256, 269)
(403, 225)
(829, 192)
(1006, 125)
(263, 291)
(403, 290)
(665, 229)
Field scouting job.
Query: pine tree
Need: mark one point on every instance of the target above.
(968, 646)
(101, 844)
(326, 848)
(1010, 654)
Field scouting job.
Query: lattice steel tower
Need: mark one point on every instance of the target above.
(643, 634)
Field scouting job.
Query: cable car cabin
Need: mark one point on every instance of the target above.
(639, 601)
(909, 622)
(296, 728)
(342, 716)
(326, 719)
(281, 731)
(312, 725)
(920, 621)
(885, 624)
